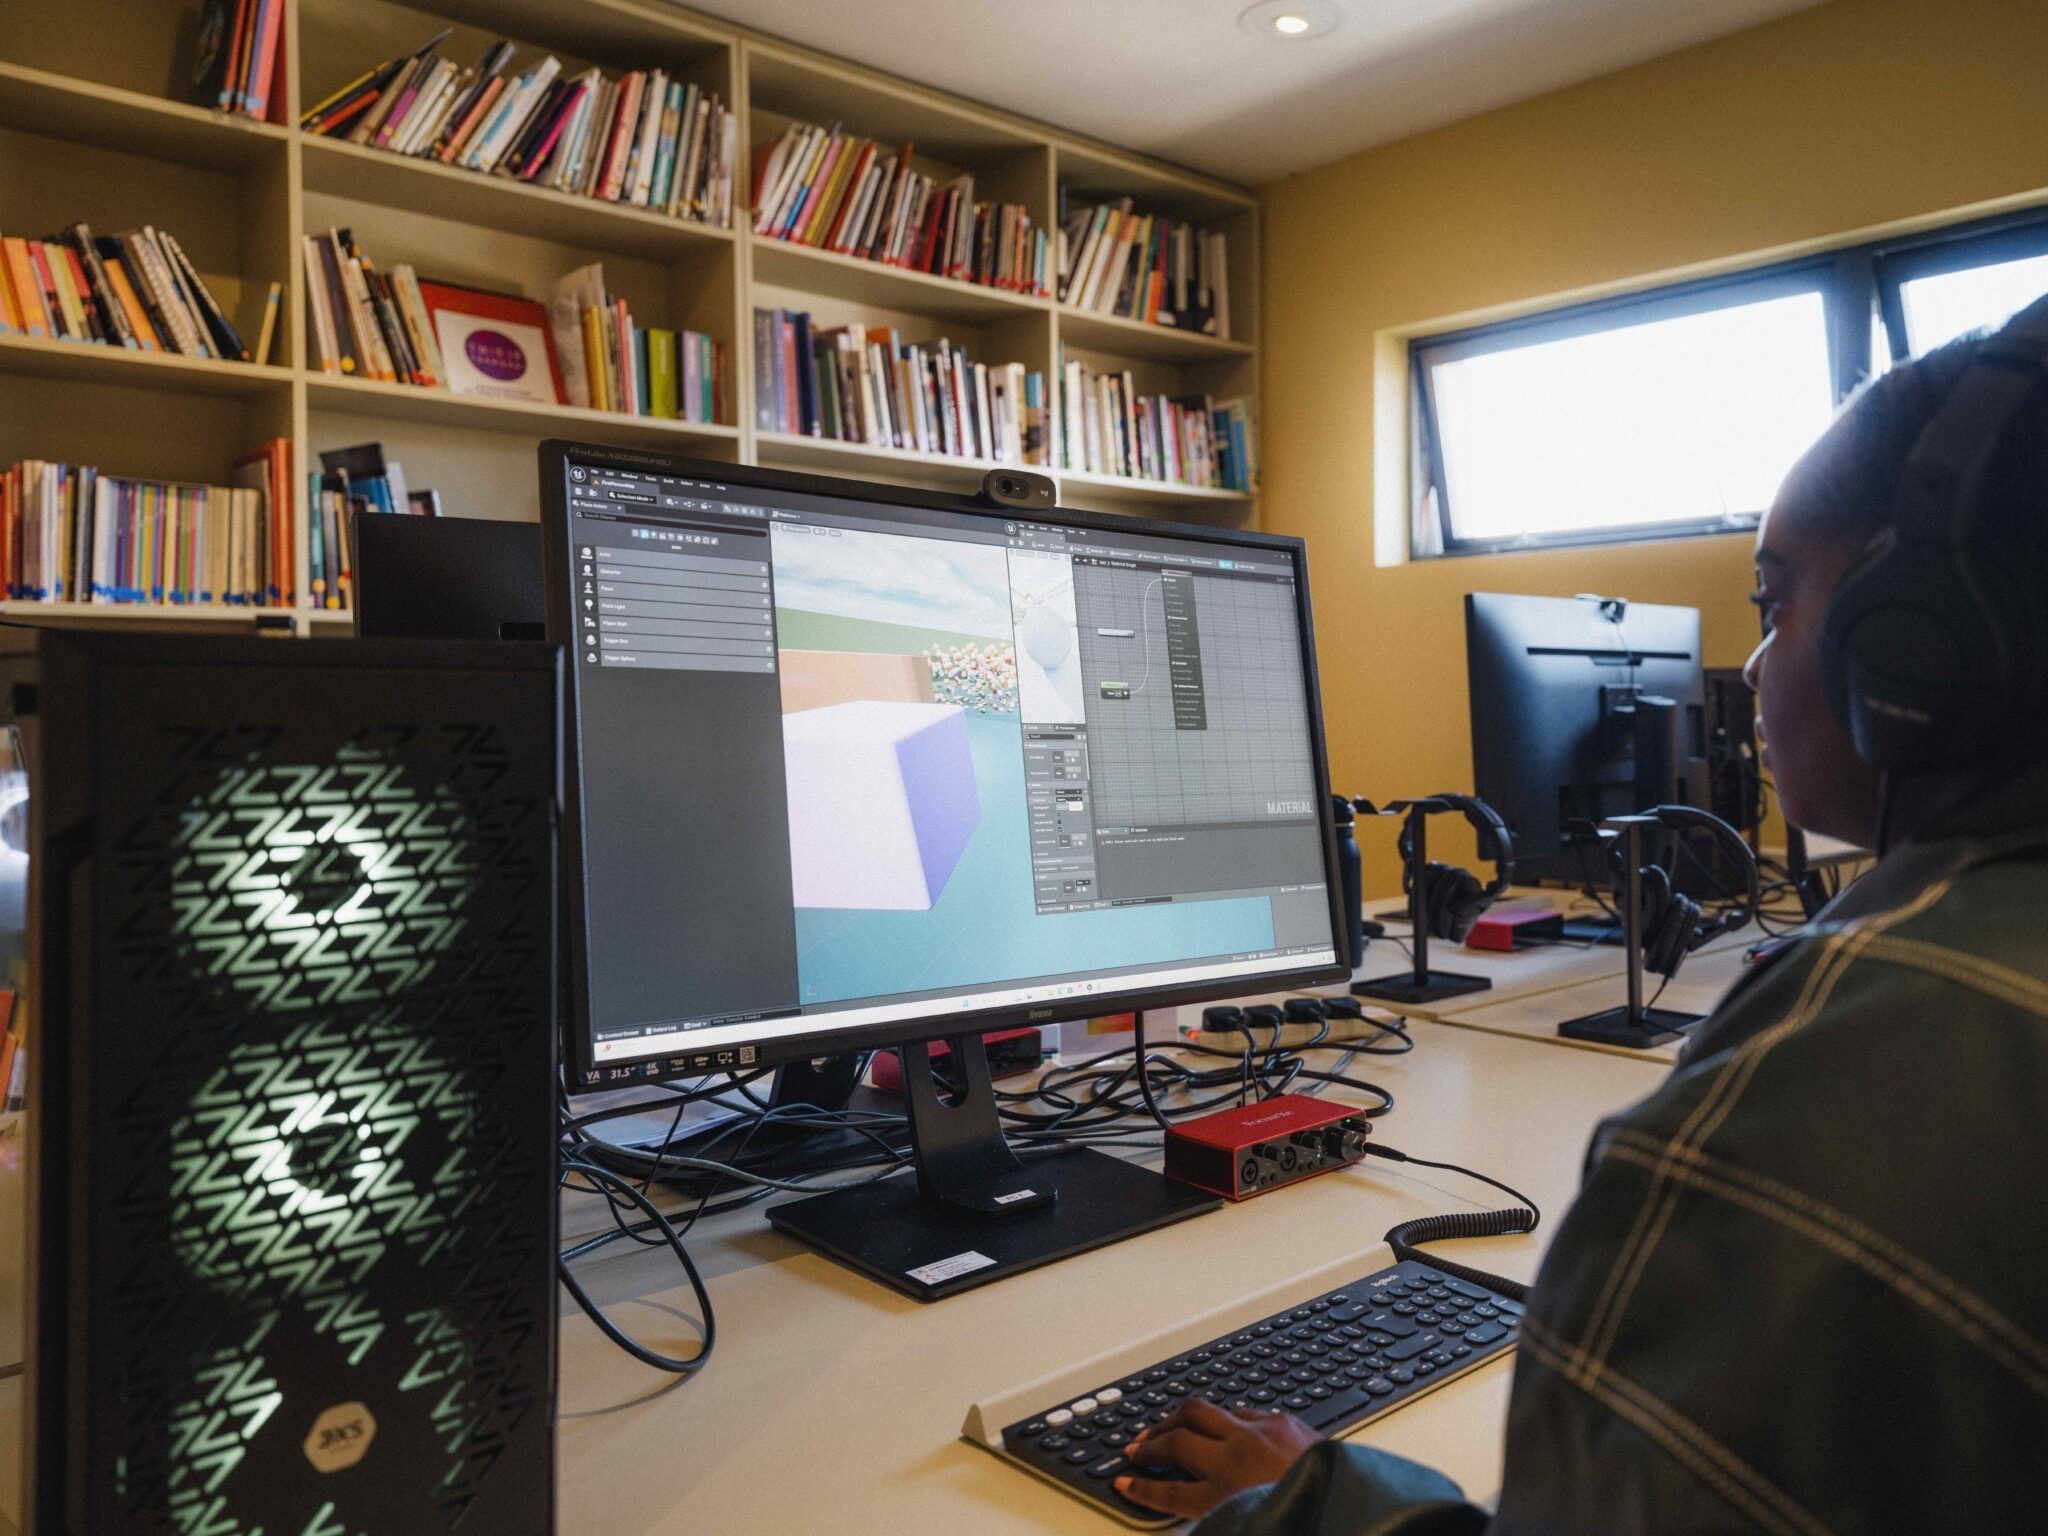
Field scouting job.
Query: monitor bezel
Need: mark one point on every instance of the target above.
(583, 1072)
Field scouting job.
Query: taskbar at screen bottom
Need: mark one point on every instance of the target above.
(723, 1047)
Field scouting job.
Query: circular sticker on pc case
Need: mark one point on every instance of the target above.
(341, 1437)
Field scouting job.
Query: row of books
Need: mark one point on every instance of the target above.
(71, 534)
(610, 362)
(367, 324)
(822, 187)
(1115, 261)
(236, 66)
(137, 290)
(870, 386)
(645, 139)
(1109, 428)
(354, 481)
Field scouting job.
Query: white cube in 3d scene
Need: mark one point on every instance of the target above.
(882, 802)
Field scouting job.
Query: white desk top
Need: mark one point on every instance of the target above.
(1698, 986)
(832, 1402)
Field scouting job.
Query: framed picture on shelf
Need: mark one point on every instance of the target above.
(494, 344)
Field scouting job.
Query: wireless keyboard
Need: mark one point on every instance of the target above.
(1335, 1360)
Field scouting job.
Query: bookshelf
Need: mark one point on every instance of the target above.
(96, 125)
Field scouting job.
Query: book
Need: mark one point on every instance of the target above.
(493, 344)
(1114, 260)
(1108, 427)
(871, 386)
(236, 65)
(69, 533)
(824, 187)
(135, 290)
(642, 138)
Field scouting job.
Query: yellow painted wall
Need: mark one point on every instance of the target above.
(1855, 115)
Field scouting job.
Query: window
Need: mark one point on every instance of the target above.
(1675, 414)
(1678, 411)
(1941, 287)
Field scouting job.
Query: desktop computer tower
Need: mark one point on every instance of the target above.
(284, 919)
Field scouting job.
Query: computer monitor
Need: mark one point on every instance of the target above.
(1582, 708)
(446, 578)
(853, 765)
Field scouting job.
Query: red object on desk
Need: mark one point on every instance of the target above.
(1506, 928)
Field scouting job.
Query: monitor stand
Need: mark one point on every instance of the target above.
(974, 1212)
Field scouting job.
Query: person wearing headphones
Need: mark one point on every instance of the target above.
(1803, 1289)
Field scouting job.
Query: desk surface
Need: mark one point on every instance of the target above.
(833, 1401)
(830, 1394)
(1535, 1014)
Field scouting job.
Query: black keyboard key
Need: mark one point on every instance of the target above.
(1390, 1323)
(1400, 1376)
(1261, 1394)
(1407, 1349)
(1296, 1403)
(1109, 1466)
(1379, 1386)
(1320, 1393)
(1350, 1314)
(1383, 1298)
(1080, 1455)
(1466, 1288)
(1486, 1311)
(1116, 1437)
(1034, 1429)
(1054, 1443)
(1425, 1367)
(1338, 1408)
(1485, 1333)
(1461, 1350)
(1403, 1309)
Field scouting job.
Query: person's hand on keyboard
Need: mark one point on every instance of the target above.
(1205, 1454)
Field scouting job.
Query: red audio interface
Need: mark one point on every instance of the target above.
(1238, 1153)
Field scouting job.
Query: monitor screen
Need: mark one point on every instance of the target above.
(853, 765)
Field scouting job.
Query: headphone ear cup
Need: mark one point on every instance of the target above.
(1453, 898)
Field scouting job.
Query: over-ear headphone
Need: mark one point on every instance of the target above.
(1673, 924)
(1932, 641)
(1453, 898)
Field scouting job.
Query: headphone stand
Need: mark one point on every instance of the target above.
(1421, 985)
(1632, 1026)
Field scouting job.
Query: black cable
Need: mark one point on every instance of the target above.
(1144, 1073)
(1404, 1237)
(688, 1366)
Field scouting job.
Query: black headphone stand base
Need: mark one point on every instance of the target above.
(1634, 1029)
(1433, 986)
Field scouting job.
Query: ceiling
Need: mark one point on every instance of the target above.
(1180, 80)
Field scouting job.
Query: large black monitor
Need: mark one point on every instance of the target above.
(1582, 708)
(853, 765)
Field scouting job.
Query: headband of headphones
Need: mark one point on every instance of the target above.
(1679, 820)
(1932, 641)
(1496, 843)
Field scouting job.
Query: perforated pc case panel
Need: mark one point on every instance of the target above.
(313, 1151)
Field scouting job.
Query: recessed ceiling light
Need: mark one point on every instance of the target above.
(1291, 21)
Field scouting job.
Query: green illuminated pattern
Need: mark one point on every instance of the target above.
(330, 961)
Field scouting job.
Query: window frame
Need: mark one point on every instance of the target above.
(1857, 283)
(1953, 248)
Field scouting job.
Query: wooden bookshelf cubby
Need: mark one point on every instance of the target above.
(97, 125)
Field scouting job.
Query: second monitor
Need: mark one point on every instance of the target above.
(1582, 708)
